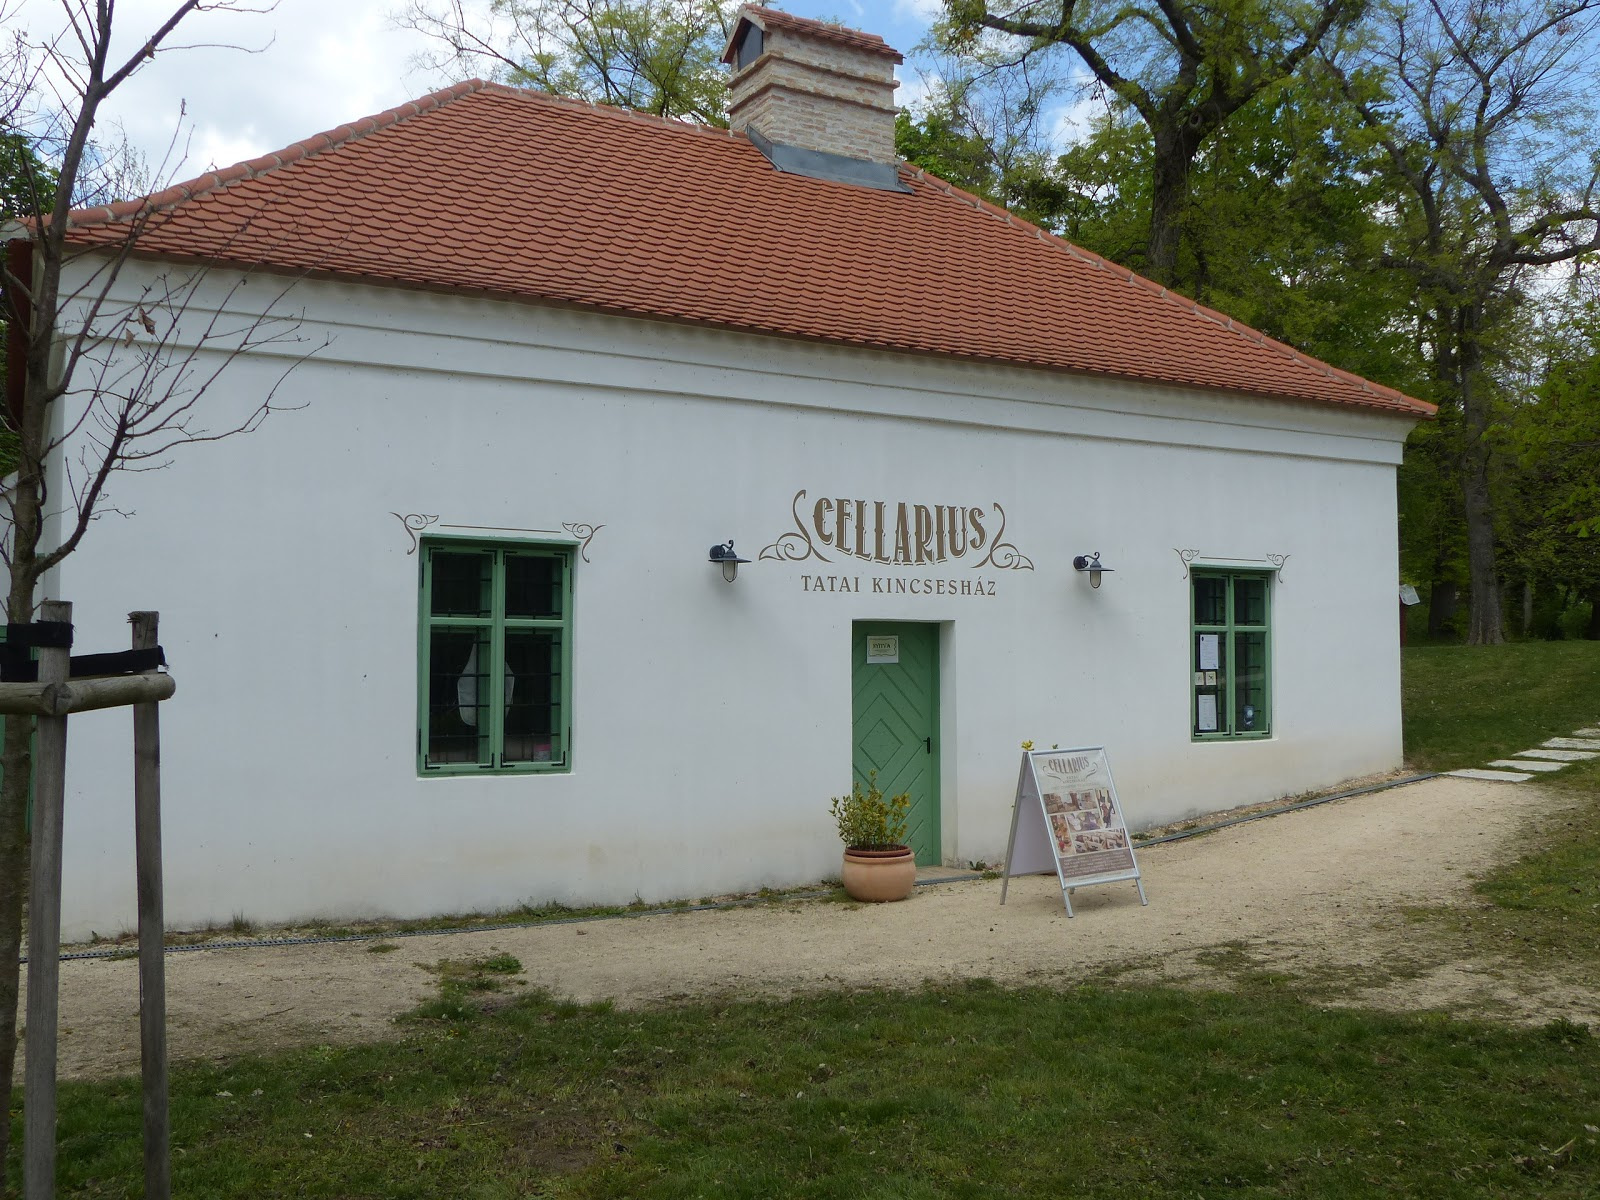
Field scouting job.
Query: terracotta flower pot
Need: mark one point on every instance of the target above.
(879, 875)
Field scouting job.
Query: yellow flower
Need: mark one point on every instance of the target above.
(1028, 745)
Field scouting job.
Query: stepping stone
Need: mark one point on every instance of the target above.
(1526, 764)
(1594, 733)
(1572, 744)
(1496, 776)
(1560, 755)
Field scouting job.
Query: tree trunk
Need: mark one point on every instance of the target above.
(13, 853)
(1441, 607)
(18, 770)
(1527, 608)
(1485, 626)
(16, 758)
(1168, 202)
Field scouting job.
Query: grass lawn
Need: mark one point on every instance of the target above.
(969, 1091)
(1467, 704)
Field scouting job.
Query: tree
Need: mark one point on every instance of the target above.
(119, 382)
(655, 56)
(1283, 228)
(986, 128)
(1482, 113)
(1184, 67)
(1554, 502)
(22, 176)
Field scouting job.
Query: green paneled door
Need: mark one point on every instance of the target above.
(896, 721)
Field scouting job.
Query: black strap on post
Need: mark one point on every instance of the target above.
(55, 634)
(17, 665)
(120, 662)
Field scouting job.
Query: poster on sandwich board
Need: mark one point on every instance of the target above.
(1067, 818)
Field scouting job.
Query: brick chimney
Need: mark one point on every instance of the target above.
(811, 86)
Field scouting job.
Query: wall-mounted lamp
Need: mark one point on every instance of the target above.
(1091, 564)
(730, 561)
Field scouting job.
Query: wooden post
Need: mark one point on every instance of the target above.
(152, 928)
(44, 928)
(85, 695)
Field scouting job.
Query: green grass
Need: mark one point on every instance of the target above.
(1542, 910)
(1467, 704)
(969, 1091)
(462, 983)
(963, 1091)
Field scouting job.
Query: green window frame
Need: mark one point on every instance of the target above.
(484, 603)
(1230, 651)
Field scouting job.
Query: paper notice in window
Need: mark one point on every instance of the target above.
(1208, 651)
(1206, 714)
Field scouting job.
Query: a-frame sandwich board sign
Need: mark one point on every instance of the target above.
(1067, 817)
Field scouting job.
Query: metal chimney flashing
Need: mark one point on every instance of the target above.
(835, 168)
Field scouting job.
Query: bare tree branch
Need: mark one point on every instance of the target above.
(110, 383)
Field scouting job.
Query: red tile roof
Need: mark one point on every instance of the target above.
(490, 190)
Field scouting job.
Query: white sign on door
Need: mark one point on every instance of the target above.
(883, 648)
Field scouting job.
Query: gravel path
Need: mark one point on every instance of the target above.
(1313, 893)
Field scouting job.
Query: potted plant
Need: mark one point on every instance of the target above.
(878, 865)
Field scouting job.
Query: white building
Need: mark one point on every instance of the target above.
(447, 637)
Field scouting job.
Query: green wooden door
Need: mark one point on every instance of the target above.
(896, 722)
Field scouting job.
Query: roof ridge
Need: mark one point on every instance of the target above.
(361, 212)
(551, 100)
(253, 168)
(1378, 391)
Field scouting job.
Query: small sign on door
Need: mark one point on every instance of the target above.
(883, 648)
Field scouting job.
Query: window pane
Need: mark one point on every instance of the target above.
(534, 585)
(458, 696)
(1249, 601)
(1250, 683)
(461, 582)
(1211, 683)
(533, 696)
(1210, 600)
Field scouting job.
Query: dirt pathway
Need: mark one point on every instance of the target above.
(1313, 893)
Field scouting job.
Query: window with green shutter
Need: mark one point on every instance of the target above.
(495, 656)
(1230, 648)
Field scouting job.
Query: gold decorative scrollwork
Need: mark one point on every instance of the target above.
(1003, 556)
(415, 523)
(795, 546)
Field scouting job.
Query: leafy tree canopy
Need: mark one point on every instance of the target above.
(655, 56)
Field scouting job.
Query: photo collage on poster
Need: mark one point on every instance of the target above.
(1085, 822)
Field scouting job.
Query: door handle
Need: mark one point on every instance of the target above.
(929, 742)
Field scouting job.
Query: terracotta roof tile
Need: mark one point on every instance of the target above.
(496, 191)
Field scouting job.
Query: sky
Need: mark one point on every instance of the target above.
(238, 85)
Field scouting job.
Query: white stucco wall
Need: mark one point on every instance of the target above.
(711, 722)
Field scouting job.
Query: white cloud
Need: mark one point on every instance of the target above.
(915, 87)
(922, 11)
(250, 83)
